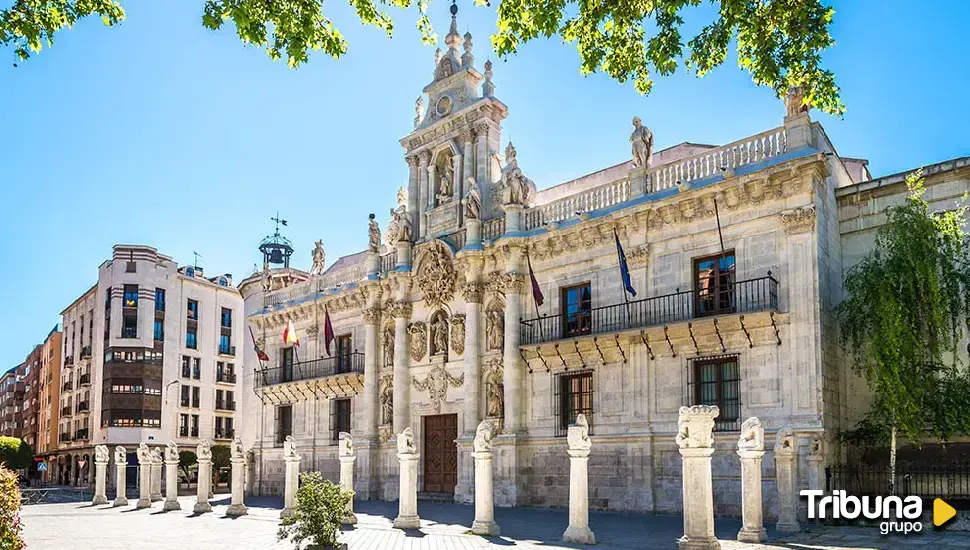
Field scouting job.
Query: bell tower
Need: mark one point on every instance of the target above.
(455, 141)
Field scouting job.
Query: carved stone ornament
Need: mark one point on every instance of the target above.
(387, 344)
(798, 220)
(472, 292)
(795, 101)
(405, 442)
(436, 275)
(577, 436)
(752, 435)
(203, 451)
(494, 388)
(156, 455)
(439, 333)
(143, 453)
(289, 448)
(483, 437)
(345, 446)
(458, 334)
(371, 316)
(101, 454)
(319, 258)
(817, 447)
(509, 283)
(494, 328)
(236, 451)
(436, 383)
(373, 235)
(121, 455)
(387, 398)
(639, 256)
(641, 141)
(516, 188)
(785, 443)
(400, 309)
(419, 340)
(695, 426)
(171, 451)
(384, 433)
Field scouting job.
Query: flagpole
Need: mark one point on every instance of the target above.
(528, 261)
(619, 260)
(720, 238)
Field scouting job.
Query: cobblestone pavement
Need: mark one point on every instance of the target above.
(443, 527)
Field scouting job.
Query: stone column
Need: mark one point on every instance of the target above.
(414, 190)
(407, 454)
(751, 447)
(417, 223)
(156, 473)
(346, 455)
(101, 457)
(144, 476)
(291, 478)
(238, 460)
(577, 438)
(511, 360)
(513, 218)
(171, 477)
(696, 442)
(786, 454)
(816, 464)
(203, 453)
(484, 497)
(468, 170)
(371, 365)
(472, 292)
(481, 154)
(121, 471)
(402, 378)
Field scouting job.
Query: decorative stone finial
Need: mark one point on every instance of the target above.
(373, 235)
(346, 446)
(171, 451)
(488, 89)
(785, 441)
(795, 101)
(467, 59)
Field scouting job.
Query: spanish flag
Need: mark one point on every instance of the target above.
(289, 335)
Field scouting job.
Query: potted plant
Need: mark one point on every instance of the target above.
(317, 514)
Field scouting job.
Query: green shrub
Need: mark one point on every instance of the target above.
(9, 511)
(187, 459)
(320, 506)
(16, 454)
(220, 456)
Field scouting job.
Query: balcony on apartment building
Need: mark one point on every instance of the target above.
(83, 406)
(66, 437)
(81, 435)
(733, 298)
(86, 352)
(225, 405)
(68, 385)
(185, 432)
(65, 411)
(225, 377)
(84, 380)
(314, 369)
(225, 349)
(225, 434)
(69, 361)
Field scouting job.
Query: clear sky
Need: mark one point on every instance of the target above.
(163, 133)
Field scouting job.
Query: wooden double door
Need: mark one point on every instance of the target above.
(440, 453)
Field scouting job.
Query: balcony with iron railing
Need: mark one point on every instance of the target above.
(81, 435)
(752, 295)
(225, 405)
(223, 377)
(312, 369)
(69, 361)
(68, 385)
(185, 432)
(66, 411)
(227, 350)
(66, 437)
(225, 434)
(84, 379)
(83, 406)
(86, 352)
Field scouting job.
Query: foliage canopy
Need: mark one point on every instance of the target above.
(778, 41)
(10, 526)
(15, 453)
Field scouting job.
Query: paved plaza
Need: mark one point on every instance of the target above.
(443, 527)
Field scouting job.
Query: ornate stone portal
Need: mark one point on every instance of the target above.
(436, 383)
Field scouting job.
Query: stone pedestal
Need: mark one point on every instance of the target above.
(205, 481)
(407, 455)
(171, 486)
(513, 218)
(484, 496)
(577, 438)
(751, 448)
(156, 477)
(347, 484)
(373, 263)
(100, 475)
(121, 470)
(144, 478)
(236, 506)
(473, 234)
(786, 455)
(291, 481)
(798, 131)
(696, 442)
(639, 184)
(816, 464)
(403, 250)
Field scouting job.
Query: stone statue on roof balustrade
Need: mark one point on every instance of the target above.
(642, 144)
(517, 189)
(319, 258)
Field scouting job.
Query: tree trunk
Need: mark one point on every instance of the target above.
(892, 462)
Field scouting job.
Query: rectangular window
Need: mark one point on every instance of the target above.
(575, 396)
(226, 318)
(230, 401)
(190, 338)
(717, 381)
(159, 299)
(286, 364)
(284, 422)
(185, 396)
(197, 368)
(224, 347)
(130, 267)
(341, 417)
(714, 284)
(129, 326)
(186, 366)
(131, 296)
(192, 310)
(195, 397)
(159, 330)
(344, 348)
(219, 401)
(195, 425)
(576, 303)
(183, 425)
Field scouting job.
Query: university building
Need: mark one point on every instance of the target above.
(149, 355)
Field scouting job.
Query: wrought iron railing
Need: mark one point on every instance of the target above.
(947, 481)
(227, 377)
(308, 370)
(84, 379)
(751, 295)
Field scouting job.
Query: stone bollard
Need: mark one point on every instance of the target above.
(484, 498)
(786, 453)
(121, 467)
(407, 454)
(171, 477)
(203, 453)
(816, 464)
(291, 478)
(751, 448)
(144, 476)
(695, 427)
(156, 472)
(346, 456)
(238, 460)
(579, 444)
(101, 458)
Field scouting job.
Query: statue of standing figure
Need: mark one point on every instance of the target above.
(439, 334)
(517, 189)
(445, 184)
(473, 201)
(319, 257)
(373, 235)
(642, 141)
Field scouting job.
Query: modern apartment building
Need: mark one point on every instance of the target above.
(12, 386)
(48, 408)
(149, 356)
(31, 400)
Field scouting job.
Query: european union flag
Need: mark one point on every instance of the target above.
(624, 268)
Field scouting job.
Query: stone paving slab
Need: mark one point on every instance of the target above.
(443, 527)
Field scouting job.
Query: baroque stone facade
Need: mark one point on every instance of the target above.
(736, 253)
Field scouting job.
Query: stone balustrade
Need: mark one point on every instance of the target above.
(598, 197)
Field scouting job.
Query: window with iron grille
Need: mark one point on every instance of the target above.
(340, 413)
(717, 381)
(574, 395)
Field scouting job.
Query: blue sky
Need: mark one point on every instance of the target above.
(161, 132)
